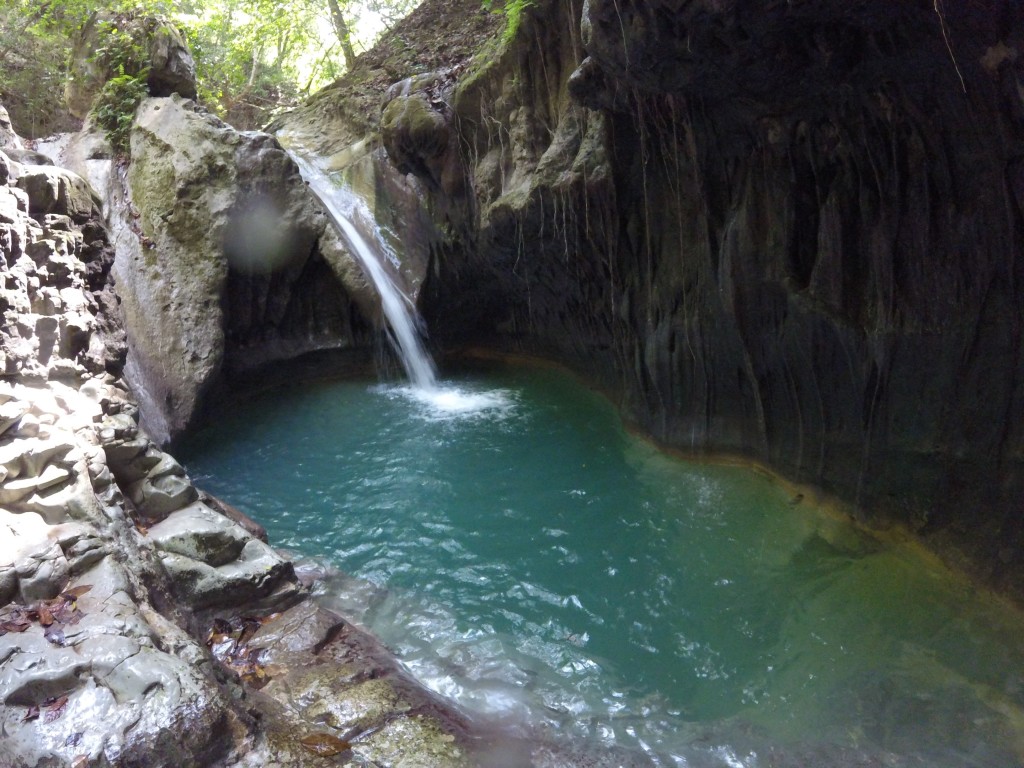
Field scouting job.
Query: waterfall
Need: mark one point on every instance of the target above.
(346, 208)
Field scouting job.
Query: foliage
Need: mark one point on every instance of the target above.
(513, 10)
(116, 105)
(253, 57)
(250, 55)
(31, 72)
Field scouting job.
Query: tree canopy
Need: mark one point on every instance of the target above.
(253, 57)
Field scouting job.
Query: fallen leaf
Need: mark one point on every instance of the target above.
(249, 628)
(32, 714)
(55, 635)
(74, 739)
(324, 744)
(221, 627)
(81, 761)
(255, 679)
(45, 616)
(54, 708)
(15, 625)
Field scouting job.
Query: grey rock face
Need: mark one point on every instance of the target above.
(223, 262)
(54, 282)
(84, 671)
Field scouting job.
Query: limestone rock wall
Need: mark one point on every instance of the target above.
(785, 230)
(224, 262)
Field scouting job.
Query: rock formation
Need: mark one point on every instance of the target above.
(225, 262)
(232, 263)
(128, 44)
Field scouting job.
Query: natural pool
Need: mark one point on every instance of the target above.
(549, 571)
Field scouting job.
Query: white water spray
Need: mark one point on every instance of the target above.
(345, 206)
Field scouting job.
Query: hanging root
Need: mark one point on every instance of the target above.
(937, 5)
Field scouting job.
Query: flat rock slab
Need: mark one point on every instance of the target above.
(197, 532)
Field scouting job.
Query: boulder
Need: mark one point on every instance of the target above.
(222, 265)
(259, 578)
(197, 532)
(156, 46)
(171, 67)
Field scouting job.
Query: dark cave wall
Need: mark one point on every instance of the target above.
(786, 230)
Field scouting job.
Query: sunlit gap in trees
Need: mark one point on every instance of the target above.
(312, 40)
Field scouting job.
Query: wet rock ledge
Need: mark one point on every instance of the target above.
(143, 623)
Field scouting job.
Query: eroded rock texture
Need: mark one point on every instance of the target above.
(224, 261)
(785, 230)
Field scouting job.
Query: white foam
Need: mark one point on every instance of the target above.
(450, 402)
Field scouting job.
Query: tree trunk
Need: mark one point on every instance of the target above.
(342, 31)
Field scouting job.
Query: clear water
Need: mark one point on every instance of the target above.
(527, 557)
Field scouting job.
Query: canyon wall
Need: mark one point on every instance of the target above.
(789, 231)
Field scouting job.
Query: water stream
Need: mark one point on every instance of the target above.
(357, 226)
(548, 571)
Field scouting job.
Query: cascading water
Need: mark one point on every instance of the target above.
(345, 208)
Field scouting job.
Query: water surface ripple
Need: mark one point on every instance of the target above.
(528, 558)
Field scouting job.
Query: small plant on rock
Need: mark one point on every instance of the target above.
(123, 55)
(115, 107)
(513, 10)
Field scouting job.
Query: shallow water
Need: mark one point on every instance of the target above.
(527, 557)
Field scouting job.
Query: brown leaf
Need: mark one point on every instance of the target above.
(54, 708)
(324, 744)
(81, 761)
(45, 616)
(256, 679)
(32, 714)
(218, 632)
(75, 592)
(249, 628)
(15, 625)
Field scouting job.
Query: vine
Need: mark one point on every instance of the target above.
(115, 105)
